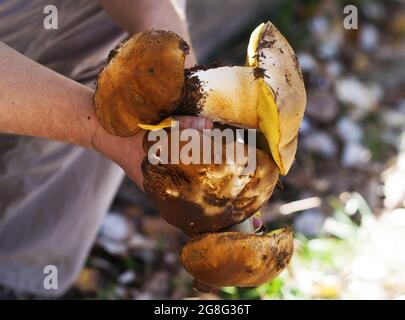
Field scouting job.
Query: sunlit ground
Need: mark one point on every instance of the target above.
(360, 256)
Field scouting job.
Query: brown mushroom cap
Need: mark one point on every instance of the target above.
(201, 198)
(237, 259)
(142, 82)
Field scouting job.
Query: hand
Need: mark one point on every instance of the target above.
(128, 153)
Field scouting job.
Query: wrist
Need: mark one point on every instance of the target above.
(126, 152)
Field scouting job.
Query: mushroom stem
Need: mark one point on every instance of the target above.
(252, 225)
(227, 94)
(245, 227)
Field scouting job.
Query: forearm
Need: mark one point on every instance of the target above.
(139, 15)
(38, 102)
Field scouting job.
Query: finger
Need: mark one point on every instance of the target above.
(198, 123)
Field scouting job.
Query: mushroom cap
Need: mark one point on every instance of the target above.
(142, 82)
(237, 259)
(271, 52)
(201, 197)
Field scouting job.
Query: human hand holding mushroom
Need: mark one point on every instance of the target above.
(145, 82)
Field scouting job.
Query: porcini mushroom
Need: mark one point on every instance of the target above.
(237, 258)
(201, 197)
(145, 82)
(268, 94)
(142, 82)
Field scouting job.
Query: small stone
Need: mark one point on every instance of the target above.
(348, 130)
(363, 97)
(310, 223)
(319, 25)
(355, 155)
(170, 258)
(112, 246)
(138, 241)
(127, 277)
(334, 69)
(369, 37)
(115, 226)
(394, 119)
(144, 296)
(328, 49)
(307, 62)
(321, 106)
(320, 143)
(306, 126)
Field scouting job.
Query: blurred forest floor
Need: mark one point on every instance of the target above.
(345, 195)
